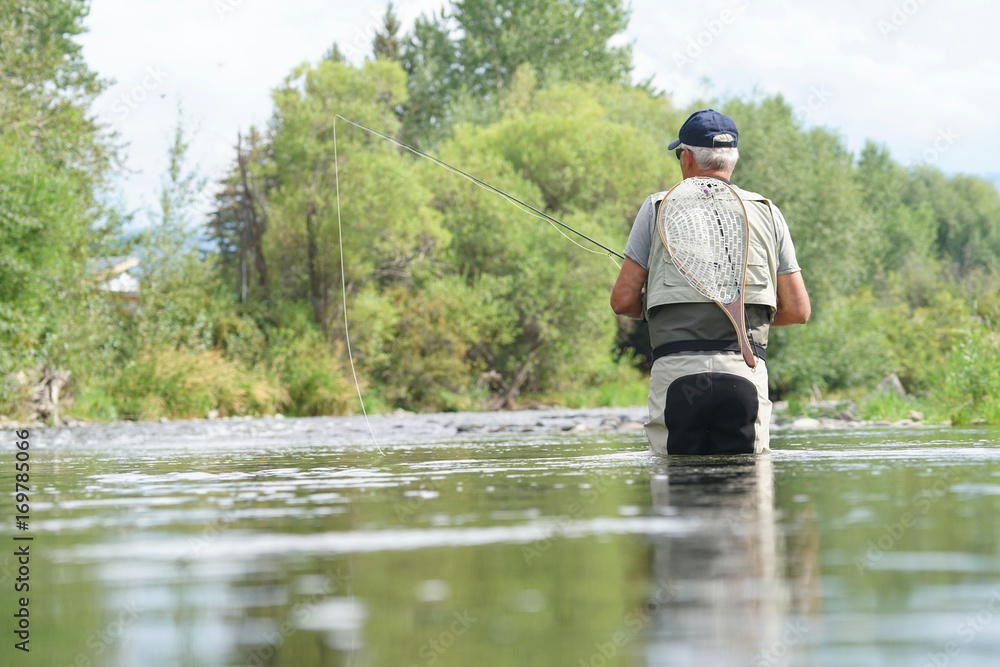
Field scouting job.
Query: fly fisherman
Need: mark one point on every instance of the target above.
(703, 398)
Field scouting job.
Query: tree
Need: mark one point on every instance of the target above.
(810, 176)
(476, 47)
(967, 214)
(564, 40)
(429, 57)
(560, 150)
(55, 158)
(386, 43)
(389, 232)
(171, 236)
(904, 233)
(177, 304)
(239, 221)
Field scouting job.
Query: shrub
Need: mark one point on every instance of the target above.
(314, 379)
(846, 345)
(968, 383)
(180, 383)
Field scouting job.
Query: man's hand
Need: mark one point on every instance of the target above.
(793, 300)
(626, 295)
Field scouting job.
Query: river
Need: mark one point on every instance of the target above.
(530, 538)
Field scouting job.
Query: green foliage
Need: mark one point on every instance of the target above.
(425, 347)
(962, 384)
(564, 40)
(904, 325)
(54, 158)
(886, 406)
(227, 228)
(184, 383)
(386, 43)
(810, 176)
(797, 407)
(566, 134)
(389, 231)
(457, 298)
(314, 379)
(558, 147)
(968, 383)
(907, 233)
(928, 313)
(848, 346)
(618, 385)
(473, 49)
(967, 212)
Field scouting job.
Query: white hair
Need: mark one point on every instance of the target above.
(715, 159)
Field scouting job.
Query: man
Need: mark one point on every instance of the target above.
(703, 398)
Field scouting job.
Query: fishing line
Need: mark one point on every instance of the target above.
(343, 288)
(517, 203)
(526, 208)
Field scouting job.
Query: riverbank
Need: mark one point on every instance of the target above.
(841, 414)
(817, 415)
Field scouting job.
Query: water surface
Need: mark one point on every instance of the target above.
(505, 540)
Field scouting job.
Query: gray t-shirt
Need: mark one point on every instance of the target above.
(703, 321)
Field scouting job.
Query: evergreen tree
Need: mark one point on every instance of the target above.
(387, 43)
(239, 221)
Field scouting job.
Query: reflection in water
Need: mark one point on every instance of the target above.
(732, 603)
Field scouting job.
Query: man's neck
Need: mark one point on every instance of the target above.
(713, 173)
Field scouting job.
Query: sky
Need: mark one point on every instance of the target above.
(920, 76)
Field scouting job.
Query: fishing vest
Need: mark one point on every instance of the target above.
(666, 285)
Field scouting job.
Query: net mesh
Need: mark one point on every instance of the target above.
(703, 224)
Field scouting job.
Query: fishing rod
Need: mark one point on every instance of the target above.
(480, 182)
(523, 206)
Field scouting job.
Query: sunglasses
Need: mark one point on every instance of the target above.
(678, 153)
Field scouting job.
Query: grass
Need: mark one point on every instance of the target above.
(887, 406)
(608, 395)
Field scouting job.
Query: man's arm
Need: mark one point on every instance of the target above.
(626, 296)
(793, 300)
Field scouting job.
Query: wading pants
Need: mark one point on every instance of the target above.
(708, 403)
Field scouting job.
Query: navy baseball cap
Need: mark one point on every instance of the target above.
(702, 127)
